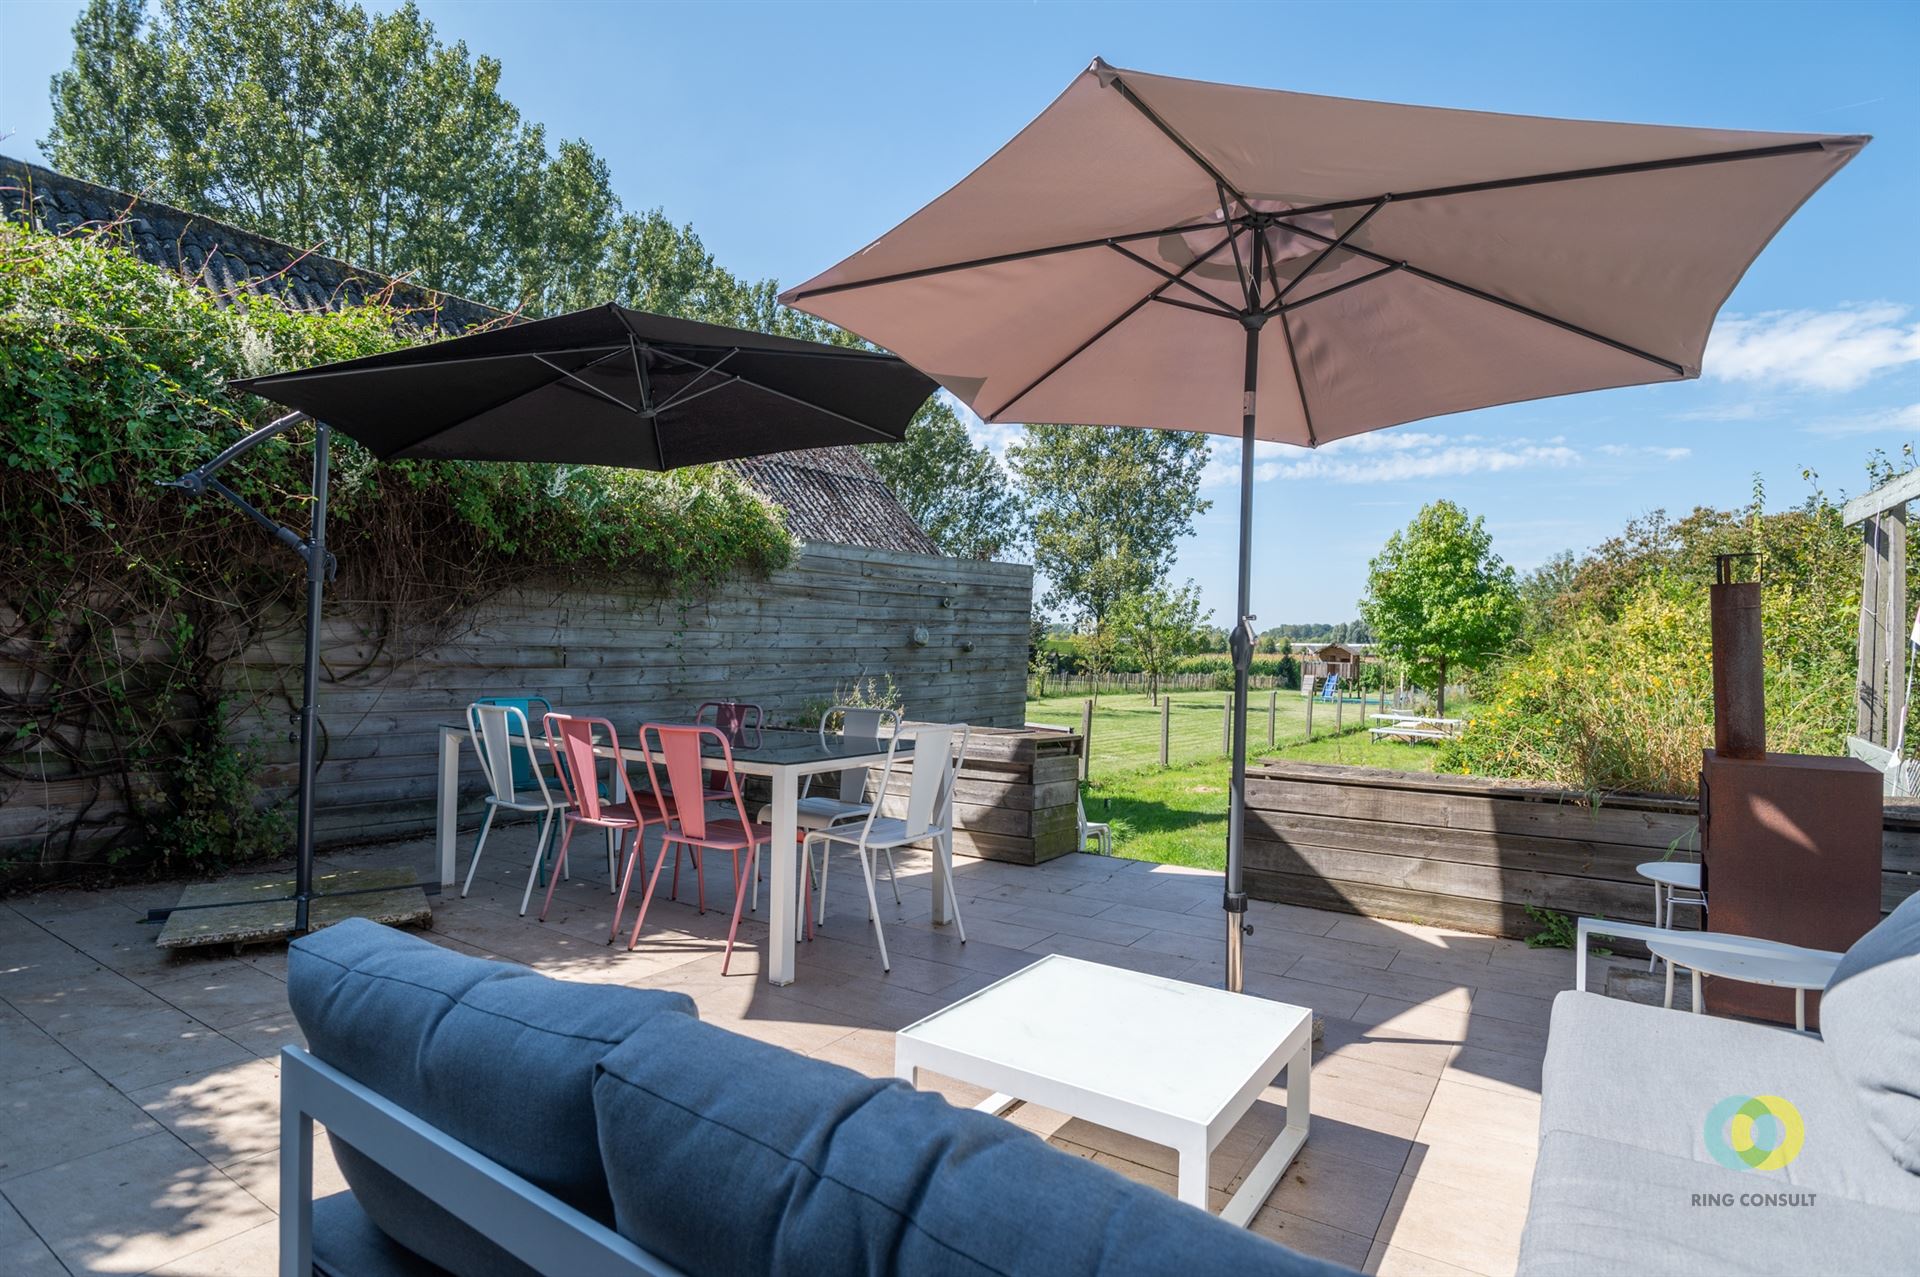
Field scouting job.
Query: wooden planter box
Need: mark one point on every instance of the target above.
(1472, 853)
(1017, 798)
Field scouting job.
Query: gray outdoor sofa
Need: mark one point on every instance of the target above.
(1628, 1180)
(489, 1120)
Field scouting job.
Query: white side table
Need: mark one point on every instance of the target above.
(1178, 1064)
(1668, 877)
(1745, 958)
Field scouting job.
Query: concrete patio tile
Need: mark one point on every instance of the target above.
(27, 1048)
(1494, 1070)
(1392, 1090)
(1067, 902)
(1301, 944)
(1167, 921)
(1518, 1007)
(220, 994)
(133, 1207)
(226, 1115)
(150, 1047)
(1473, 1113)
(1394, 1017)
(1338, 1191)
(249, 1254)
(22, 1253)
(263, 1037)
(260, 1174)
(1310, 1238)
(1414, 935)
(55, 1117)
(62, 997)
(1411, 1052)
(1358, 1132)
(1321, 999)
(1072, 924)
(1114, 955)
(1392, 1261)
(1016, 932)
(1478, 975)
(1475, 1230)
(45, 906)
(1424, 990)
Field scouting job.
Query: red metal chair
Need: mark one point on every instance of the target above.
(740, 721)
(690, 826)
(571, 740)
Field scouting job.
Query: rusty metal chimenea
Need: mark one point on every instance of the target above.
(1739, 695)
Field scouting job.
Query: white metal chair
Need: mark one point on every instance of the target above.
(938, 752)
(497, 732)
(858, 723)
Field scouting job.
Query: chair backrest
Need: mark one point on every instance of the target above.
(859, 724)
(688, 771)
(496, 731)
(571, 740)
(936, 766)
(534, 708)
(739, 720)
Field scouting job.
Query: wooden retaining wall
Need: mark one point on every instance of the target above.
(1017, 797)
(1469, 852)
(951, 633)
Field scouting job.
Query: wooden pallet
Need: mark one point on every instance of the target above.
(255, 911)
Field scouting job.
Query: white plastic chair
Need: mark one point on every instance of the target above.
(936, 762)
(497, 731)
(1091, 833)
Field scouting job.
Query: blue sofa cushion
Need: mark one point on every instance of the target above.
(494, 1055)
(731, 1156)
(1870, 1019)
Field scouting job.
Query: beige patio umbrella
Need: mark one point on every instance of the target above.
(1150, 251)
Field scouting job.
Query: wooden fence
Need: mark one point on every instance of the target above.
(950, 633)
(1469, 852)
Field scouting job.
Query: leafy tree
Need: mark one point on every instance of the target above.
(1158, 626)
(1438, 597)
(953, 487)
(366, 137)
(1109, 507)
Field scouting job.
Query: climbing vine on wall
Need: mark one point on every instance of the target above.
(123, 604)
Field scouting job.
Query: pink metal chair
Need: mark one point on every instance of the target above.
(572, 741)
(684, 801)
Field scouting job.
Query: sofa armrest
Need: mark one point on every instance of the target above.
(532, 1225)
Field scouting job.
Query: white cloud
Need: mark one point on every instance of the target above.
(1384, 456)
(1814, 349)
(1887, 420)
(1750, 411)
(1626, 450)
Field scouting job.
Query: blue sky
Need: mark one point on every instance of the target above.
(791, 134)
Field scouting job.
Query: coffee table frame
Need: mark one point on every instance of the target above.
(1192, 1141)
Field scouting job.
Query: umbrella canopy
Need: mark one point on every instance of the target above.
(1170, 253)
(607, 386)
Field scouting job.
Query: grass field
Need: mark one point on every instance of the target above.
(1178, 814)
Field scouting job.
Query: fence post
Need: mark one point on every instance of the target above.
(1273, 711)
(1226, 725)
(1339, 711)
(1166, 726)
(1310, 701)
(1086, 739)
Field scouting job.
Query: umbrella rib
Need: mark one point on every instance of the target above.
(1299, 382)
(1571, 175)
(680, 394)
(1219, 179)
(1170, 277)
(646, 386)
(584, 384)
(1002, 259)
(1329, 250)
(1119, 319)
(1485, 296)
(322, 373)
(1204, 310)
(734, 378)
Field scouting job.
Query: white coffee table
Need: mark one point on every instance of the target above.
(1178, 1064)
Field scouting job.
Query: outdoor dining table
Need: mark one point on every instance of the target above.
(782, 755)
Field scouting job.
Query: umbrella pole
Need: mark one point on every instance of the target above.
(1235, 899)
(317, 564)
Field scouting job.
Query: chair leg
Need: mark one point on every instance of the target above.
(637, 855)
(553, 879)
(740, 889)
(699, 875)
(820, 892)
(893, 877)
(616, 843)
(668, 851)
(486, 823)
(539, 859)
(873, 908)
(953, 897)
(1653, 959)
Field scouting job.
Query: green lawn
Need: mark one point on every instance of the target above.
(1178, 814)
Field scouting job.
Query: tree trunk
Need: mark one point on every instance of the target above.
(1440, 693)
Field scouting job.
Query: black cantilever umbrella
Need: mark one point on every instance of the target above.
(606, 386)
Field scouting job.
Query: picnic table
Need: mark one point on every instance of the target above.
(1412, 727)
